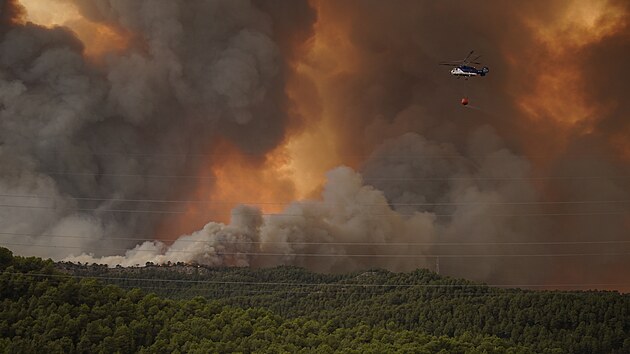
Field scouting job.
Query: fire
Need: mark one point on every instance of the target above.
(241, 179)
(97, 38)
(230, 178)
(294, 170)
(327, 56)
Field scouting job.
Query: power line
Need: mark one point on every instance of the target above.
(275, 254)
(307, 202)
(95, 209)
(141, 211)
(355, 155)
(364, 178)
(130, 238)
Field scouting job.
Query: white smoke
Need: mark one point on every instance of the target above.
(349, 212)
(352, 224)
(194, 71)
(215, 244)
(197, 71)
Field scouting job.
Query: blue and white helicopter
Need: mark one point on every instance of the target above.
(463, 67)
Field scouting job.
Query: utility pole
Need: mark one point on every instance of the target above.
(437, 265)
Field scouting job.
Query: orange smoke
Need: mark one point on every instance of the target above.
(314, 151)
(307, 154)
(557, 103)
(241, 179)
(231, 178)
(296, 169)
(620, 143)
(327, 57)
(11, 13)
(97, 38)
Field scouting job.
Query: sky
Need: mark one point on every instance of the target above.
(321, 134)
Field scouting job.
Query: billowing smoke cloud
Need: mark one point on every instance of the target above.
(357, 225)
(85, 135)
(424, 169)
(216, 244)
(546, 96)
(352, 224)
(350, 212)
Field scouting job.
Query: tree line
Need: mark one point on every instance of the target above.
(79, 308)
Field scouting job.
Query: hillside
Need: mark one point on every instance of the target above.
(58, 306)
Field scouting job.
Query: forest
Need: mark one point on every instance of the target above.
(80, 308)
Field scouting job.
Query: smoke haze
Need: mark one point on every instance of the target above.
(333, 123)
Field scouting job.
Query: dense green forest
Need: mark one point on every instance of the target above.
(179, 308)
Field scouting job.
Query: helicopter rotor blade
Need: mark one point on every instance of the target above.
(468, 56)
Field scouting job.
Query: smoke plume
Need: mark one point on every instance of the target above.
(114, 148)
(85, 135)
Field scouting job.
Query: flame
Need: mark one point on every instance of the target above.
(230, 178)
(328, 55)
(295, 170)
(98, 39)
(313, 151)
(241, 179)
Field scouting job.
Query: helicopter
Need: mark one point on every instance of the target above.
(463, 67)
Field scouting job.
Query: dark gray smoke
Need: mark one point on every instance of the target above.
(195, 71)
(201, 71)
